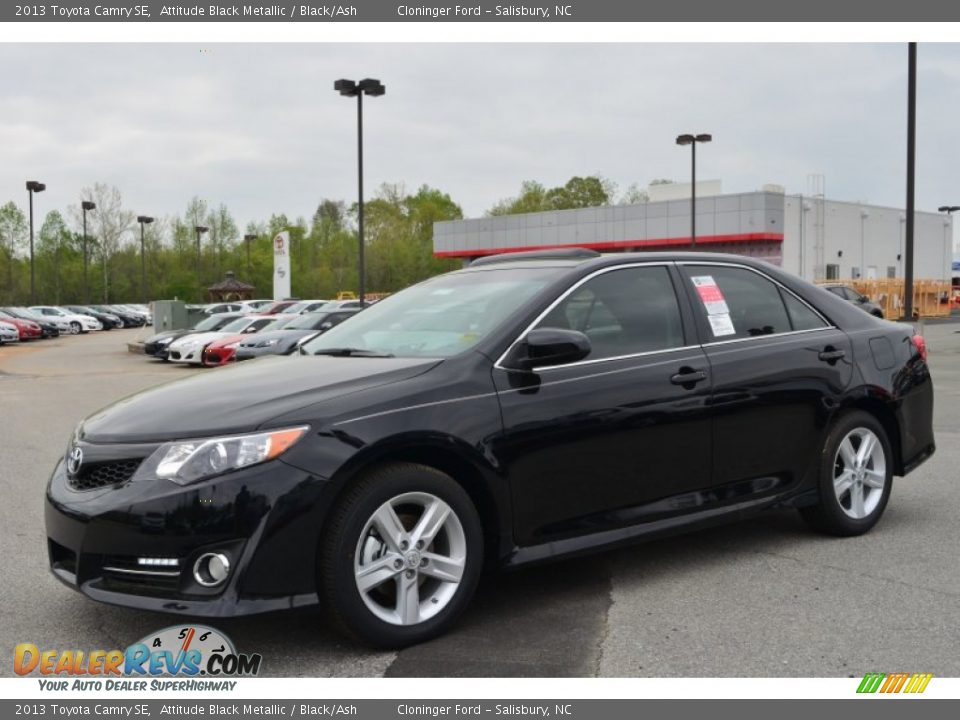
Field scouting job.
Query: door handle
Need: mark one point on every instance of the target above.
(688, 377)
(830, 354)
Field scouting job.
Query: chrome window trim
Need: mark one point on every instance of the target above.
(550, 368)
(563, 296)
(764, 337)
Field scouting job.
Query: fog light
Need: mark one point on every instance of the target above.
(211, 569)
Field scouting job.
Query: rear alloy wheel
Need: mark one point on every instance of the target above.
(401, 556)
(855, 477)
(75, 328)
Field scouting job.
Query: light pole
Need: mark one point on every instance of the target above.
(143, 220)
(863, 219)
(349, 88)
(33, 187)
(692, 141)
(911, 179)
(247, 239)
(86, 205)
(200, 230)
(948, 223)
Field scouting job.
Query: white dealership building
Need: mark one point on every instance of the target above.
(812, 236)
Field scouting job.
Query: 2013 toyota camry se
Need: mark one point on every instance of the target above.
(527, 407)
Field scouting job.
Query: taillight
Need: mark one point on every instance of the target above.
(921, 345)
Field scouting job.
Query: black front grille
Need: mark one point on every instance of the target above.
(98, 475)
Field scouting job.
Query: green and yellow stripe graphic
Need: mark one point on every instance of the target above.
(894, 682)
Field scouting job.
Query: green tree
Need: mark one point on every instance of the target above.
(13, 235)
(578, 192)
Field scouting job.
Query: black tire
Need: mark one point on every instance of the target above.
(339, 594)
(829, 515)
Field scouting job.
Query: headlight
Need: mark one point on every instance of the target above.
(187, 344)
(188, 461)
(232, 346)
(268, 343)
(164, 341)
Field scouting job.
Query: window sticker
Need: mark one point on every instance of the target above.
(710, 295)
(721, 325)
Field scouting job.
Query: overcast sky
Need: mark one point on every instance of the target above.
(260, 128)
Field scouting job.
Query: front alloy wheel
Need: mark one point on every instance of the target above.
(410, 558)
(401, 555)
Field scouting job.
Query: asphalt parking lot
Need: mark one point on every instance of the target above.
(764, 597)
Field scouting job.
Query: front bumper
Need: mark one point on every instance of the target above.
(218, 356)
(266, 519)
(157, 350)
(192, 355)
(249, 353)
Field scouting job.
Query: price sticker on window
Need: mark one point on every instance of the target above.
(710, 295)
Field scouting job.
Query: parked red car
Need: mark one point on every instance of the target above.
(278, 307)
(29, 330)
(221, 351)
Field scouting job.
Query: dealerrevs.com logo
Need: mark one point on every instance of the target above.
(181, 651)
(889, 683)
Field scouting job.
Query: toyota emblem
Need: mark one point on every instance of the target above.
(74, 460)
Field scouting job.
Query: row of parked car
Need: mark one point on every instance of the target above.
(46, 321)
(241, 331)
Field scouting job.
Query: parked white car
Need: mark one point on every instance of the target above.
(189, 348)
(78, 323)
(8, 333)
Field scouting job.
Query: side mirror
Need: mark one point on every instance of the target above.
(546, 347)
(864, 299)
(326, 326)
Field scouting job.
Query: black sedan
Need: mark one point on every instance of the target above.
(127, 319)
(851, 295)
(284, 341)
(527, 407)
(157, 345)
(108, 320)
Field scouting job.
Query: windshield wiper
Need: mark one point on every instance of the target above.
(353, 352)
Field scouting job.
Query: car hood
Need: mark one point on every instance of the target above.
(242, 397)
(201, 338)
(281, 335)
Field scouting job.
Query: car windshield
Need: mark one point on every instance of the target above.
(237, 325)
(276, 325)
(305, 322)
(210, 323)
(440, 317)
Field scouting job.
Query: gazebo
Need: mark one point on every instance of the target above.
(230, 289)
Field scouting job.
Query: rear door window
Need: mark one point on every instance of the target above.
(734, 303)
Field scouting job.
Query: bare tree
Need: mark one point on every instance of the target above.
(109, 223)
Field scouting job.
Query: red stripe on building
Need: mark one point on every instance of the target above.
(620, 244)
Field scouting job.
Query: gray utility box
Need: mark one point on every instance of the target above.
(170, 315)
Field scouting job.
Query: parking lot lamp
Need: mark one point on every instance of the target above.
(143, 220)
(247, 239)
(948, 234)
(349, 88)
(33, 187)
(200, 230)
(86, 205)
(692, 141)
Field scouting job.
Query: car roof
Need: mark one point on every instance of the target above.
(593, 260)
